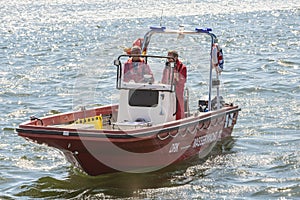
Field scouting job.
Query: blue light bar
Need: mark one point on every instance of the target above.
(203, 30)
(158, 28)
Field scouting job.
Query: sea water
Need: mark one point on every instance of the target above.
(56, 56)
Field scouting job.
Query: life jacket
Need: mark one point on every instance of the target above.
(136, 70)
(217, 57)
(180, 72)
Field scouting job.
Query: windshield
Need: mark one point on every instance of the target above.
(145, 72)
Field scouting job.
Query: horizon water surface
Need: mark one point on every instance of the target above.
(51, 52)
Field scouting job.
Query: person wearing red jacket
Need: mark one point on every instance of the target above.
(180, 75)
(135, 68)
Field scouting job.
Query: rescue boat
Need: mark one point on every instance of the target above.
(140, 133)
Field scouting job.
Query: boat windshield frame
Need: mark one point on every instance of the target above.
(157, 85)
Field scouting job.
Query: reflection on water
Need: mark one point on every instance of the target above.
(125, 185)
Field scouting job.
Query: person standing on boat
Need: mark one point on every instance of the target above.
(180, 75)
(136, 68)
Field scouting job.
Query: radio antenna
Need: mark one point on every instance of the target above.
(162, 11)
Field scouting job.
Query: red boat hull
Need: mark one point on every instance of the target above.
(142, 150)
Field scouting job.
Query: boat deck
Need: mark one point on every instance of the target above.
(111, 124)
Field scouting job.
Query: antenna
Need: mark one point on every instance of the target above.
(162, 11)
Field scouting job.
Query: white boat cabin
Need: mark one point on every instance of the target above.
(146, 97)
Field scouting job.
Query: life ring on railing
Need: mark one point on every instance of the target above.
(217, 57)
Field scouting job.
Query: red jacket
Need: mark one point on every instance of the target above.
(180, 75)
(136, 70)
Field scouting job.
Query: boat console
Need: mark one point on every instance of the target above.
(146, 101)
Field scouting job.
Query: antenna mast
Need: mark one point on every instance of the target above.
(162, 11)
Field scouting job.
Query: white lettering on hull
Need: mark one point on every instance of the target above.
(206, 139)
(174, 147)
(198, 141)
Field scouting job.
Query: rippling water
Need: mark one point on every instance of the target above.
(48, 47)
